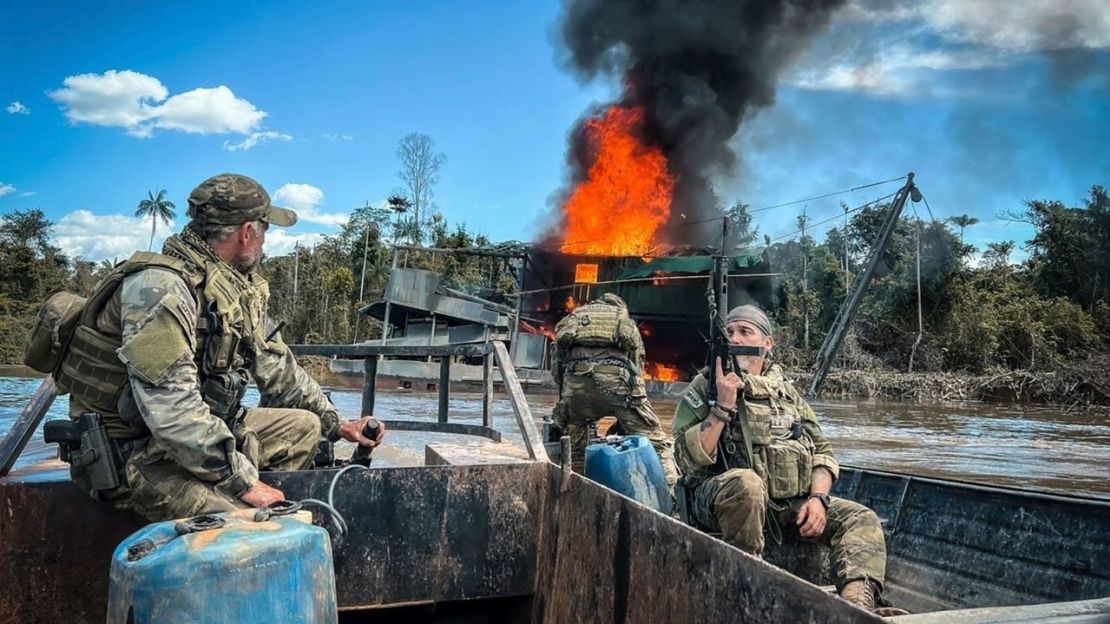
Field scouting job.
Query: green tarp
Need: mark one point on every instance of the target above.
(687, 264)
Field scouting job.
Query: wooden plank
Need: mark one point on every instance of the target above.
(473, 454)
(444, 387)
(369, 384)
(487, 390)
(533, 443)
(25, 426)
(362, 350)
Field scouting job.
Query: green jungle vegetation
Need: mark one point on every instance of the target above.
(982, 315)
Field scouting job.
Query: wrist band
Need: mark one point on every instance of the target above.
(720, 414)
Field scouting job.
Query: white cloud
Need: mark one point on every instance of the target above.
(28, 194)
(255, 139)
(208, 111)
(6, 189)
(905, 47)
(306, 199)
(337, 137)
(279, 242)
(139, 104)
(114, 98)
(98, 237)
(299, 196)
(17, 108)
(1017, 26)
(895, 71)
(1022, 26)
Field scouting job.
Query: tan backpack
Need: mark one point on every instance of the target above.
(57, 319)
(60, 316)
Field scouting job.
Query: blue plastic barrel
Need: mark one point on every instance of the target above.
(275, 570)
(630, 465)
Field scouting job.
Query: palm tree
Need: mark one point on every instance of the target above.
(156, 207)
(963, 221)
(399, 204)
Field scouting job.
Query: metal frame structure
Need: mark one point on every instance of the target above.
(835, 339)
(490, 352)
(13, 443)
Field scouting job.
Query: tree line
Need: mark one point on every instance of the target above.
(317, 290)
(979, 310)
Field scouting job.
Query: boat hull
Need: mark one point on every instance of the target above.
(546, 546)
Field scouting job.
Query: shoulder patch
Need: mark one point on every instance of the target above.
(161, 340)
(692, 398)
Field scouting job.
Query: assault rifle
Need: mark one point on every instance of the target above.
(719, 346)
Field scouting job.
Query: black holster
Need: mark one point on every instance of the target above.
(85, 445)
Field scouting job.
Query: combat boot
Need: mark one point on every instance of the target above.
(864, 593)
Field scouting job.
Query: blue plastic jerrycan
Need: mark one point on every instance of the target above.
(630, 465)
(224, 568)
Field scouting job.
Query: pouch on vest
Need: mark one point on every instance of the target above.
(47, 340)
(789, 469)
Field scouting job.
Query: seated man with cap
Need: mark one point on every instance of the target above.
(165, 350)
(757, 462)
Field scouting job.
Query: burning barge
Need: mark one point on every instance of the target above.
(666, 295)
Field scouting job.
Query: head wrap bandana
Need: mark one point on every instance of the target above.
(751, 314)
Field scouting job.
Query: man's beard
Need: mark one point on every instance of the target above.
(746, 363)
(246, 263)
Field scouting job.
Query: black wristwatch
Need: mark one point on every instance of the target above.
(824, 498)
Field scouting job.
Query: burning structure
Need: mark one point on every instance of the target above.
(639, 216)
(665, 295)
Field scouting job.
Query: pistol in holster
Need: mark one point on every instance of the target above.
(85, 445)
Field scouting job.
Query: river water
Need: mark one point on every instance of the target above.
(1031, 447)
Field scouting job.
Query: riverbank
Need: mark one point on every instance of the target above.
(1072, 389)
(1076, 388)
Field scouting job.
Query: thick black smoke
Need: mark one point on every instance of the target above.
(699, 68)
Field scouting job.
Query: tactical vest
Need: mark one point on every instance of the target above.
(598, 325)
(782, 451)
(230, 313)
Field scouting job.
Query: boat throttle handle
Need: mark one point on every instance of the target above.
(362, 453)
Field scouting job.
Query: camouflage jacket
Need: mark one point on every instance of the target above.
(165, 349)
(787, 442)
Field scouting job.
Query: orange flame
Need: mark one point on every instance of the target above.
(627, 195)
(662, 372)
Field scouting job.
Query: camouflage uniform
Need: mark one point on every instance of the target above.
(187, 326)
(599, 381)
(741, 500)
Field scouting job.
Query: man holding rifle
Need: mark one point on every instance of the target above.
(755, 460)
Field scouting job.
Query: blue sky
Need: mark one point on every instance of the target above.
(990, 103)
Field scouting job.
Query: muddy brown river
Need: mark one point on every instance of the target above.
(1033, 447)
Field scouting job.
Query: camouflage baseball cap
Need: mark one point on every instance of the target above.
(231, 199)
